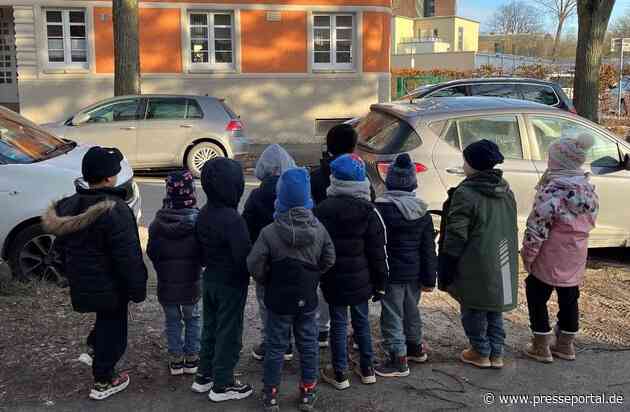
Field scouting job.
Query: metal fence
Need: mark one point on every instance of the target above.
(507, 62)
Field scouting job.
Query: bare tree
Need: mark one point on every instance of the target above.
(126, 48)
(593, 17)
(621, 26)
(516, 17)
(561, 10)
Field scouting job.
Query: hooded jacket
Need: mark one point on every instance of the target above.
(176, 256)
(358, 233)
(288, 258)
(479, 242)
(99, 246)
(555, 245)
(221, 231)
(410, 238)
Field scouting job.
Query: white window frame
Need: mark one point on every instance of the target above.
(67, 38)
(211, 64)
(333, 65)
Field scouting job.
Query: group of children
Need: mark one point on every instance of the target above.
(302, 235)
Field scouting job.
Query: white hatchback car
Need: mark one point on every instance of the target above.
(37, 168)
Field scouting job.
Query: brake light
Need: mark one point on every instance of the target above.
(383, 168)
(234, 126)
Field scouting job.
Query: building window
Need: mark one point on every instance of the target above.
(66, 38)
(460, 39)
(211, 40)
(333, 38)
(429, 8)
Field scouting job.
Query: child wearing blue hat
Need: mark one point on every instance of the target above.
(288, 259)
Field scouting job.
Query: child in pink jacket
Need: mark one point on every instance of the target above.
(556, 246)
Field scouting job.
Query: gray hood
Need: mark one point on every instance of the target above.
(356, 189)
(407, 203)
(273, 161)
(297, 227)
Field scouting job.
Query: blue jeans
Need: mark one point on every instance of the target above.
(484, 330)
(400, 317)
(278, 339)
(339, 335)
(178, 317)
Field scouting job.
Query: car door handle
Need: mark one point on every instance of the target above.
(186, 126)
(455, 171)
(128, 128)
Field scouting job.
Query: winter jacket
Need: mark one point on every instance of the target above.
(410, 238)
(479, 243)
(288, 258)
(176, 256)
(259, 208)
(555, 245)
(99, 246)
(221, 231)
(358, 233)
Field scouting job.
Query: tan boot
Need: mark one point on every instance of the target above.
(538, 349)
(563, 348)
(472, 357)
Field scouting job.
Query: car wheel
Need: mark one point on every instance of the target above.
(200, 154)
(32, 256)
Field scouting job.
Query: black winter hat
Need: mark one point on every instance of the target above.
(100, 163)
(341, 139)
(402, 174)
(483, 155)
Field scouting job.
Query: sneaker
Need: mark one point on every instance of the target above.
(323, 340)
(472, 357)
(496, 362)
(394, 367)
(176, 365)
(258, 352)
(308, 396)
(417, 352)
(234, 391)
(202, 384)
(103, 390)
(338, 379)
(288, 355)
(367, 375)
(270, 400)
(191, 364)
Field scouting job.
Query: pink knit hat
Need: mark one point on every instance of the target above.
(569, 153)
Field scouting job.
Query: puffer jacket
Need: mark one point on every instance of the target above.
(358, 233)
(479, 243)
(221, 231)
(176, 256)
(259, 208)
(410, 238)
(555, 245)
(288, 258)
(99, 246)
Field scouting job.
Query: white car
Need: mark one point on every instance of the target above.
(37, 168)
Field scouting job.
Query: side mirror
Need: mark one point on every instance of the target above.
(80, 118)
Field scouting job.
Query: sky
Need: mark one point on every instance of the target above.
(482, 10)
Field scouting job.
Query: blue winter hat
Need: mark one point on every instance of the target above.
(349, 167)
(402, 174)
(294, 190)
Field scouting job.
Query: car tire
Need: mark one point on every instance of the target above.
(32, 256)
(199, 154)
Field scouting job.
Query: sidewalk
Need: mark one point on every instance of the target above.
(431, 387)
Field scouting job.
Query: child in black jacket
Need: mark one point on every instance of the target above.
(175, 253)
(412, 267)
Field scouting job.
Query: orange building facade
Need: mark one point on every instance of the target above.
(283, 65)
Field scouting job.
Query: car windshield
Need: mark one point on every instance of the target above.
(24, 142)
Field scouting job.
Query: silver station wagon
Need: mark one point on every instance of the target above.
(434, 132)
(160, 131)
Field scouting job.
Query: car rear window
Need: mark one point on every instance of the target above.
(539, 94)
(386, 134)
(229, 110)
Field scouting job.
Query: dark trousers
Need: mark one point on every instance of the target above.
(278, 337)
(108, 339)
(538, 294)
(359, 315)
(222, 334)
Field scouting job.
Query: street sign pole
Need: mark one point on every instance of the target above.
(620, 80)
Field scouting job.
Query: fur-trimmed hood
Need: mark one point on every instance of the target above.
(58, 225)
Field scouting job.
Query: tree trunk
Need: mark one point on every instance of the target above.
(593, 16)
(556, 41)
(126, 48)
